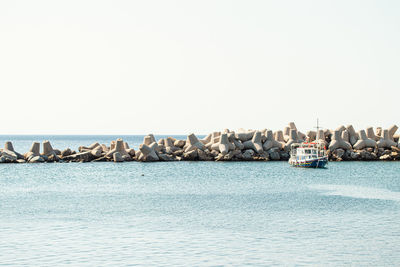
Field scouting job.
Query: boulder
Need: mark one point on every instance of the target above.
(311, 136)
(85, 156)
(36, 159)
(270, 142)
(386, 141)
(191, 155)
(88, 148)
(353, 136)
(180, 143)
(339, 153)
(120, 148)
(255, 143)
(117, 157)
(223, 145)
(244, 136)
(338, 142)
(33, 151)
(147, 153)
(192, 142)
(293, 139)
(248, 154)
(129, 150)
(273, 154)
(279, 137)
(354, 155)
(371, 134)
(97, 152)
(392, 130)
(49, 152)
(364, 141)
(385, 157)
(203, 155)
(9, 147)
(66, 152)
(8, 156)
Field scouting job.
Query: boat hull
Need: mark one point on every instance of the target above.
(311, 163)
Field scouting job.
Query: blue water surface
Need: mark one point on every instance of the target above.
(199, 213)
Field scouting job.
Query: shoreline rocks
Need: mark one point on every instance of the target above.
(343, 143)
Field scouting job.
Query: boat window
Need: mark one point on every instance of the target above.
(308, 151)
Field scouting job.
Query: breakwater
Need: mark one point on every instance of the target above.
(343, 143)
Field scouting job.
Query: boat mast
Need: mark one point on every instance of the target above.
(317, 130)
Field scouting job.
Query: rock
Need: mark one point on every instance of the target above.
(255, 143)
(311, 136)
(97, 152)
(339, 153)
(193, 143)
(353, 137)
(9, 156)
(66, 152)
(9, 147)
(364, 141)
(101, 159)
(165, 157)
(178, 153)
(48, 152)
(284, 155)
(385, 157)
(149, 139)
(180, 143)
(279, 137)
(53, 158)
(119, 147)
(148, 153)
(169, 146)
(248, 154)
(270, 142)
(33, 151)
(371, 134)
(129, 150)
(345, 136)
(395, 155)
(386, 141)
(244, 136)
(117, 157)
(21, 161)
(392, 130)
(36, 159)
(202, 155)
(366, 155)
(88, 148)
(274, 155)
(354, 155)
(80, 157)
(395, 149)
(338, 142)
(293, 139)
(223, 145)
(191, 155)
(214, 139)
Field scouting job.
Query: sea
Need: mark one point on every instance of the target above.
(196, 213)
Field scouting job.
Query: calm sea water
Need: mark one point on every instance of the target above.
(198, 213)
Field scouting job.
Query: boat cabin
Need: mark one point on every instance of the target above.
(306, 151)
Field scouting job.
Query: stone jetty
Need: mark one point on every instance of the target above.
(342, 143)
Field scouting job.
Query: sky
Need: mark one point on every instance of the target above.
(177, 67)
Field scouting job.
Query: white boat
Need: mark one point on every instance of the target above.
(309, 154)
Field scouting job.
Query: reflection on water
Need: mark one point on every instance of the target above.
(199, 213)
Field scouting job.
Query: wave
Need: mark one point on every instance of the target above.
(357, 192)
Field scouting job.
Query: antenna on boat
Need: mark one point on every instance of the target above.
(317, 136)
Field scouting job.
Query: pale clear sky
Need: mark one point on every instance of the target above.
(135, 67)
